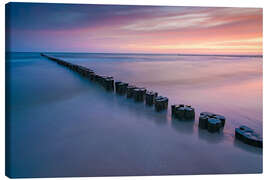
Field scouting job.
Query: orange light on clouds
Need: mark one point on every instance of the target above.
(147, 29)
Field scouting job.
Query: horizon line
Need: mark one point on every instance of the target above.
(178, 54)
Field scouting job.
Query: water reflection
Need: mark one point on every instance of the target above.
(127, 136)
(161, 118)
(183, 126)
(212, 138)
(245, 147)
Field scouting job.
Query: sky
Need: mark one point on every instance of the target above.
(133, 29)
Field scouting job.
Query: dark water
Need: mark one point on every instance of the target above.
(64, 125)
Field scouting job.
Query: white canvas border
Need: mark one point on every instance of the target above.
(221, 3)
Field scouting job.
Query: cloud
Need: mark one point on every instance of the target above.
(196, 18)
(117, 28)
(168, 23)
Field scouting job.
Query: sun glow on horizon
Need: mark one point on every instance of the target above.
(135, 29)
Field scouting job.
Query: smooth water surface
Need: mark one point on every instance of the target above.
(64, 125)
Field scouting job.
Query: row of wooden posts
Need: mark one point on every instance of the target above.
(210, 121)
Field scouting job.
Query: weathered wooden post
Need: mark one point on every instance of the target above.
(116, 83)
(138, 94)
(150, 97)
(161, 103)
(174, 108)
(109, 84)
(248, 136)
(122, 88)
(182, 111)
(212, 122)
(130, 89)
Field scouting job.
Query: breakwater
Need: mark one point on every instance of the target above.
(212, 122)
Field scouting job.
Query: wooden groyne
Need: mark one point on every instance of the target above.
(209, 121)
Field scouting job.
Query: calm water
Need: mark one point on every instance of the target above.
(63, 125)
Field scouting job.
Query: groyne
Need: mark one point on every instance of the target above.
(211, 122)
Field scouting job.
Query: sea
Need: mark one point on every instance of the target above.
(59, 124)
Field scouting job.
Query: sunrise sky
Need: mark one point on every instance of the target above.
(133, 29)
